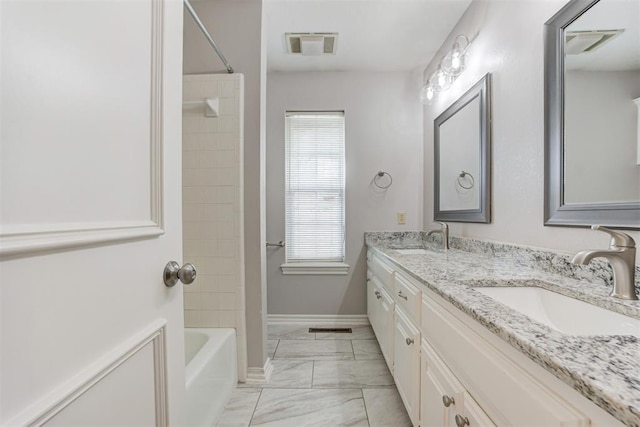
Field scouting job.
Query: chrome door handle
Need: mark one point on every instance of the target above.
(280, 244)
(174, 273)
(409, 341)
(461, 421)
(448, 400)
(401, 296)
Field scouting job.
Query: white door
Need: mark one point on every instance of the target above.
(90, 212)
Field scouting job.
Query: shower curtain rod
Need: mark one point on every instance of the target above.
(213, 44)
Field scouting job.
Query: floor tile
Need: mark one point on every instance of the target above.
(289, 332)
(385, 408)
(271, 347)
(291, 373)
(239, 409)
(351, 374)
(360, 332)
(309, 408)
(314, 350)
(366, 350)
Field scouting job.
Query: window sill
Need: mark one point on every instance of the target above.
(316, 268)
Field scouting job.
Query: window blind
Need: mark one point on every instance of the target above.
(315, 181)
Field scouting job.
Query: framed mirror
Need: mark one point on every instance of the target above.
(592, 101)
(462, 161)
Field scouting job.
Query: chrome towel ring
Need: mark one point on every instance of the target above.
(461, 179)
(378, 180)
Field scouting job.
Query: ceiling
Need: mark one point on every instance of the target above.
(374, 35)
(622, 52)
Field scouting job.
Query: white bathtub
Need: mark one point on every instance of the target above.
(211, 373)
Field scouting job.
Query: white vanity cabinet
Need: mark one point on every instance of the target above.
(380, 305)
(407, 363)
(451, 371)
(444, 400)
(494, 383)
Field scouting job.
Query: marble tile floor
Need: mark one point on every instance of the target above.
(321, 379)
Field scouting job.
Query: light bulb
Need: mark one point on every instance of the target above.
(427, 94)
(440, 80)
(454, 61)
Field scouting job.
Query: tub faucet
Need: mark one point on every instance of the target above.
(622, 257)
(444, 231)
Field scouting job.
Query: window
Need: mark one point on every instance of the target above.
(314, 193)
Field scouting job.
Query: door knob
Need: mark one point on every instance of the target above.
(174, 273)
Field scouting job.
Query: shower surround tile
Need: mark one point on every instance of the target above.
(211, 176)
(309, 408)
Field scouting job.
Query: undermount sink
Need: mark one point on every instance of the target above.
(564, 314)
(412, 251)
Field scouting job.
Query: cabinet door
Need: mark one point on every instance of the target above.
(472, 414)
(407, 364)
(439, 391)
(386, 320)
(372, 302)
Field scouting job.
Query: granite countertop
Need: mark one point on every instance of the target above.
(605, 369)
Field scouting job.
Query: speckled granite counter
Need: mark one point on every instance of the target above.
(605, 369)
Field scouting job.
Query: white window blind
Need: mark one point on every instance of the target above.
(315, 180)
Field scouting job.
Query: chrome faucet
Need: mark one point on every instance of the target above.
(444, 231)
(622, 257)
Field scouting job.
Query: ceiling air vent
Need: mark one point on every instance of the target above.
(577, 42)
(311, 44)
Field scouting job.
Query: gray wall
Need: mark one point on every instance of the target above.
(507, 41)
(236, 26)
(601, 137)
(383, 132)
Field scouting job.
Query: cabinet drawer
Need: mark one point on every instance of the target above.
(407, 296)
(494, 380)
(384, 272)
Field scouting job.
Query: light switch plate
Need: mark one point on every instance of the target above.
(402, 218)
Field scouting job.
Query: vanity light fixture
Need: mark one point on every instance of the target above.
(449, 69)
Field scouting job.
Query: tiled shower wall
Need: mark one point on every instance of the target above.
(212, 205)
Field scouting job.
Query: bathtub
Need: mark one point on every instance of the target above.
(211, 373)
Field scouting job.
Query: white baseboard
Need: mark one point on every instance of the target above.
(260, 375)
(318, 319)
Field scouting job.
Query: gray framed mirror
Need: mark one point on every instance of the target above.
(592, 110)
(462, 160)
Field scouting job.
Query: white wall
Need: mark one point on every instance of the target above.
(601, 137)
(507, 40)
(383, 132)
(236, 26)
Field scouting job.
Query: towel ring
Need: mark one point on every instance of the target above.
(461, 176)
(379, 175)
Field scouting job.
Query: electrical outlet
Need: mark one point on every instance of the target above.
(402, 219)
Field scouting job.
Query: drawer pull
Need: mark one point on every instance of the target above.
(378, 294)
(461, 421)
(448, 400)
(409, 341)
(402, 296)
